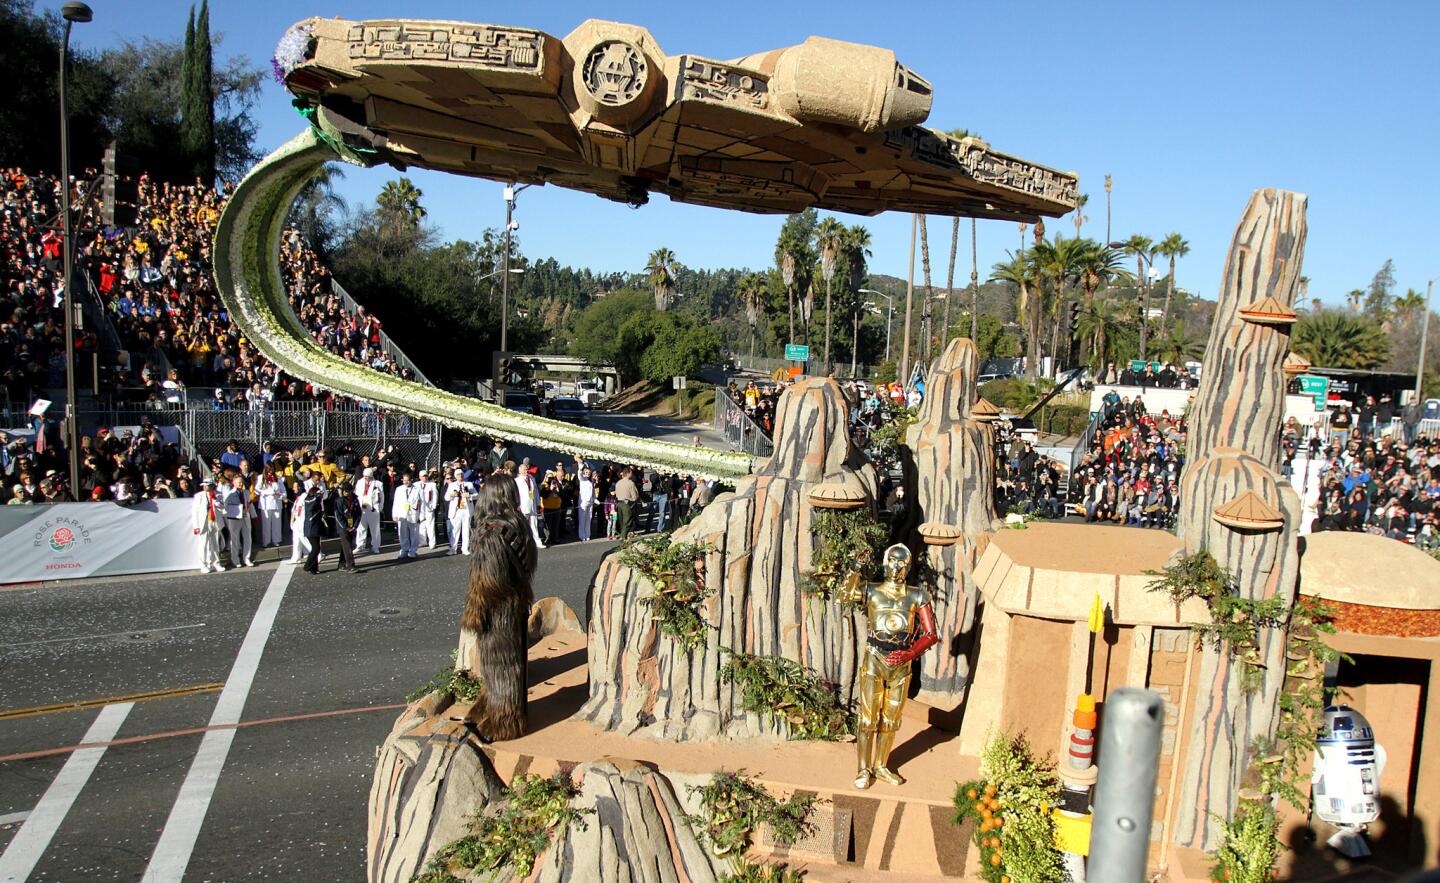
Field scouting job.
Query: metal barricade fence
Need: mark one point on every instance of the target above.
(739, 430)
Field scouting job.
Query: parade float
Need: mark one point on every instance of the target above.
(755, 696)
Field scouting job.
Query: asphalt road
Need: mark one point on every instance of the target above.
(307, 666)
(290, 798)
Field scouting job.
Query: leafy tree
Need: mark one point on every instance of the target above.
(678, 347)
(1378, 293)
(1338, 339)
(596, 337)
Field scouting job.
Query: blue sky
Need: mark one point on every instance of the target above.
(1189, 106)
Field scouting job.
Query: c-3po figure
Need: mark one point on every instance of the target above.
(900, 625)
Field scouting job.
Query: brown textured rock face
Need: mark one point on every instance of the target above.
(954, 468)
(1234, 448)
(430, 777)
(637, 834)
(643, 681)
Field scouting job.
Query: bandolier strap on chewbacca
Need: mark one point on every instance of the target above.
(497, 606)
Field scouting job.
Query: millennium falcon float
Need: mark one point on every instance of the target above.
(825, 124)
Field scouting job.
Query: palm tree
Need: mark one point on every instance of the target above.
(949, 282)
(1172, 246)
(1339, 339)
(1080, 217)
(752, 293)
(1098, 264)
(974, 285)
(1096, 324)
(1108, 186)
(315, 207)
(857, 249)
(1141, 248)
(1355, 296)
(1176, 346)
(1408, 304)
(1304, 289)
(399, 203)
(1055, 264)
(661, 270)
(830, 237)
(1020, 272)
(925, 311)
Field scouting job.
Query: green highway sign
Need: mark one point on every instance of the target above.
(1310, 385)
(797, 352)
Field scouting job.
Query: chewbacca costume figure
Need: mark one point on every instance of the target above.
(497, 607)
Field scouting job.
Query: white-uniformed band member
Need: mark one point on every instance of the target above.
(529, 500)
(406, 512)
(459, 500)
(270, 491)
(429, 500)
(372, 503)
(299, 545)
(237, 522)
(584, 510)
(205, 518)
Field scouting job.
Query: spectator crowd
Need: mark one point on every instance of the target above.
(156, 283)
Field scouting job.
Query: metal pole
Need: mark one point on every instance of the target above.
(1424, 331)
(889, 323)
(1125, 794)
(68, 255)
(904, 374)
(505, 275)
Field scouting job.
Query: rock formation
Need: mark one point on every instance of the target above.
(1233, 449)
(642, 681)
(954, 483)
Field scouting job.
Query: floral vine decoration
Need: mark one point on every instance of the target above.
(1235, 622)
(677, 572)
(846, 540)
(783, 690)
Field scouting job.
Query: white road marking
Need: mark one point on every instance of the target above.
(177, 841)
(168, 628)
(44, 820)
(13, 818)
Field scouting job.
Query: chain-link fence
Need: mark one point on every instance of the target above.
(740, 431)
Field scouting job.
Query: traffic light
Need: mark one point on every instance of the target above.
(1074, 325)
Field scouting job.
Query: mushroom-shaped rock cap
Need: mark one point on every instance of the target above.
(983, 411)
(837, 495)
(938, 533)
(1268, 311)
(1296, 364)
(1249, 512)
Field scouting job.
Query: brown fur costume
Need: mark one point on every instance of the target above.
(497, 605)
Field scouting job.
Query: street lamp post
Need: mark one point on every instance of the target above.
(73, 11)
(1424, 332)
(889, 316)
(511, 192)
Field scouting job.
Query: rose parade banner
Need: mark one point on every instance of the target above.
(74, 540)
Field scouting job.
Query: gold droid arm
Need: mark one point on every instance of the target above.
(849, 591)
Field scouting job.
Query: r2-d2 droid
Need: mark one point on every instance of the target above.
(1346, 780)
